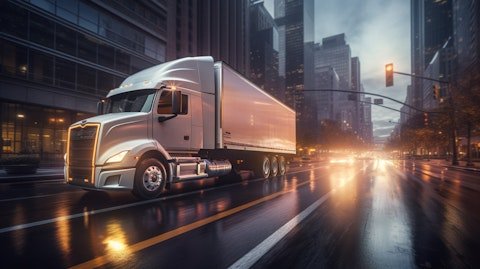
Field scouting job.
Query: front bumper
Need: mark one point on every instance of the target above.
(112, 179)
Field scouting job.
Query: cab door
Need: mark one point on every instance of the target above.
(172, 132)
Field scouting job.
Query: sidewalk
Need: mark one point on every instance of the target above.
(462, 166)
(42, 174)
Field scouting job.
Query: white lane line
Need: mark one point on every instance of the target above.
(104, 210)
(249, 259)
(60, 193)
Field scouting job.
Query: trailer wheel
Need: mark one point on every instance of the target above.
(263, 167)
(150, 179)
(282, 166)
(274, 166)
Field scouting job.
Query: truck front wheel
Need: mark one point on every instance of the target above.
(150, 179)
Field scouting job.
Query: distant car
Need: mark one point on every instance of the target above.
(364, 158)
(341, 159)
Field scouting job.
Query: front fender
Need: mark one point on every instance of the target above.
(136, 148)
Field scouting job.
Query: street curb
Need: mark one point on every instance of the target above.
(462, 168)
(465, 184)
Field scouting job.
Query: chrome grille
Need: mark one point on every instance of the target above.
(81, 152)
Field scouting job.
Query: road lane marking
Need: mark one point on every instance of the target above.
(103, 260)
(254, 255)
(249, 259)
(108, 209)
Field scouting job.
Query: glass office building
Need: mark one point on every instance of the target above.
(57, 58)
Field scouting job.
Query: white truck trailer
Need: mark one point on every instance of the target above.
(186, 119)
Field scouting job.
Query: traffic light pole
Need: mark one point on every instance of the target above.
(368, 93)
(415, 76)
(452, 114)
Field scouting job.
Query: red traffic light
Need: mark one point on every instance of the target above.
(389, 75)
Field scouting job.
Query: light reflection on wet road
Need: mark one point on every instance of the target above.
(380, 214)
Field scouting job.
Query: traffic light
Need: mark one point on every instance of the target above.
(436, 92)
(389, 75)
(425, 119)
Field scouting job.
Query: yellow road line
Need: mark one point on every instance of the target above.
(102, 260)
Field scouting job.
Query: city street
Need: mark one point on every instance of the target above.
(366, 214)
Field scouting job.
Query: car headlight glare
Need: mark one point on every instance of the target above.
(117, 157)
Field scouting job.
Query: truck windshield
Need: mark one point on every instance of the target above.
(135, 101)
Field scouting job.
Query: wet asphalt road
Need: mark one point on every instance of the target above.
(370, 214)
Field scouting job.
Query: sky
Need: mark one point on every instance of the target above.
(378, 32)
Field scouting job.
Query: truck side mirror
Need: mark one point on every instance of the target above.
(100, 106)
(176, 102)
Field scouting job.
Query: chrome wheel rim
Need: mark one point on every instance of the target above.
(152, 178)
(266, 167)
(282, 166)
(274, 166)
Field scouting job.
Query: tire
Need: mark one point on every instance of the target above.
(263, 167)
(150, 179)
(282, 166)
(273, 166)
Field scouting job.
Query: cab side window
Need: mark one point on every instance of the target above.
(165, 103)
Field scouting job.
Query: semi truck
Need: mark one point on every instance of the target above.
(186, 119)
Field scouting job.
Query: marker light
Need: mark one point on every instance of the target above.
(117, 157)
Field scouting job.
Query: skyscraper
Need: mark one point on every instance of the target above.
(223, 32)
(335, 52)
(431, 27)
(466, 32)
(264, 51)
(325, 78)
(296, 32)
(441, 68)
(357, 87)
(182, 29)
(368, 131)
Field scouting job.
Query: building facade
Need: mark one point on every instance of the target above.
(295, 21)
(223, 32)
(441, 67)
(406, 112)
(182, 29)
(325, 78)
(431, 27)
(356, 99)
(466, 36)
(264, 51)
(335, 52)
(367, 114)
(59, 57)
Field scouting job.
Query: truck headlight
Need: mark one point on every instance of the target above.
(117, 157)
